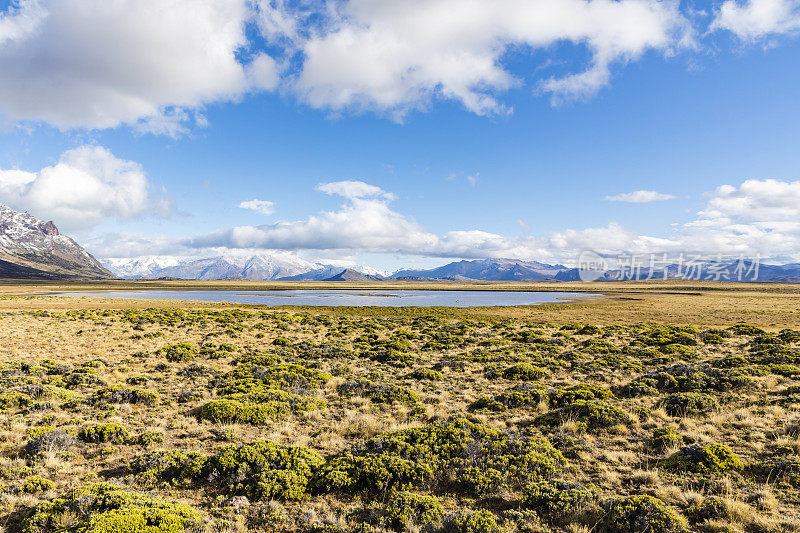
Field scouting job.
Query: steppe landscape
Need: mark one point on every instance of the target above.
(651, 408)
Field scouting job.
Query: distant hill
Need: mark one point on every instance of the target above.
(353, 275)
(34, 249)
(487, 270)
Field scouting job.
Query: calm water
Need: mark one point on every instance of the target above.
(379, 298)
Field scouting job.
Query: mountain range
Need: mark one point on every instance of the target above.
(31, 248)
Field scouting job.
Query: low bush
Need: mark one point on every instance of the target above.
(481, 521)
(689, 404)
(263, 470)
(411, 509)
(179, 353)
(257, 408)
(558, 502)
(35, 484)
(665, 439)
(48, 441)
(109, 508)
(110, 432)
(711, 508)
(594, 414)
(175, 467)
(459, 455)
(584, 391)
(120, 394)
(687, 378)
(702, 459)
(525, 372)
(377, 392)
(426, 374)
(640, 514)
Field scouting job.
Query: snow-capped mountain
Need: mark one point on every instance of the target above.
(33, 248)
(282, 266)
(141, 267)
(256, 267)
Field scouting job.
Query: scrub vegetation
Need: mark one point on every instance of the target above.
(242, 419)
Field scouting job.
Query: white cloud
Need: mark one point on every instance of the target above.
(753, 19)
(640, 197)
(395, 56)
(758, 217)
(265, 207)
(354, 189)
(99, 64)
(87, 186)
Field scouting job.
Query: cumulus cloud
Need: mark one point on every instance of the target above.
(395, 56)
(754, 19)
(758, 217)
(265, 207)
(640, 197)
(155, 64)
(88, 186)
(99, 64)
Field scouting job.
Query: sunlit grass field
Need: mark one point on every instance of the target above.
(659, 406)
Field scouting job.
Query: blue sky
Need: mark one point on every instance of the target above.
(701, 95)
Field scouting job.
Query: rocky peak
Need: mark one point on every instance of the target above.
(50, 228)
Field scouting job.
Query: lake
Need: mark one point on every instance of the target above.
(358, 298)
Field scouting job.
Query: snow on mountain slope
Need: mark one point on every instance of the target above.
(34, 248)
(256, 267)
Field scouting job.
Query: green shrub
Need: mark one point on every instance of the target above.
(35, 484)
(176, 467)
(257, 408)
(263, 470)
(109, 508)
(746, 329)
(525, 372)
(589, 329)
(459, 455)
(702, 459)
(640, 514)
(287, 376)
(711, 508)
(584, 391)
(595, 415)
(426, 374)
(179, 353)
(14, 400)
(149, 438)
(136, 380)
(120, 394)
(598, 346)
(377, 392)
(558, 502)
(687, 378)
(257, 358)
(522, 395)
(689, 404)
(481, 521)
(408, 508)
(485, 403)
(781, 469)
(665, 438)
(109, 432)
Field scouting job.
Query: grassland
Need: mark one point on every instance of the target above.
(653, 408)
